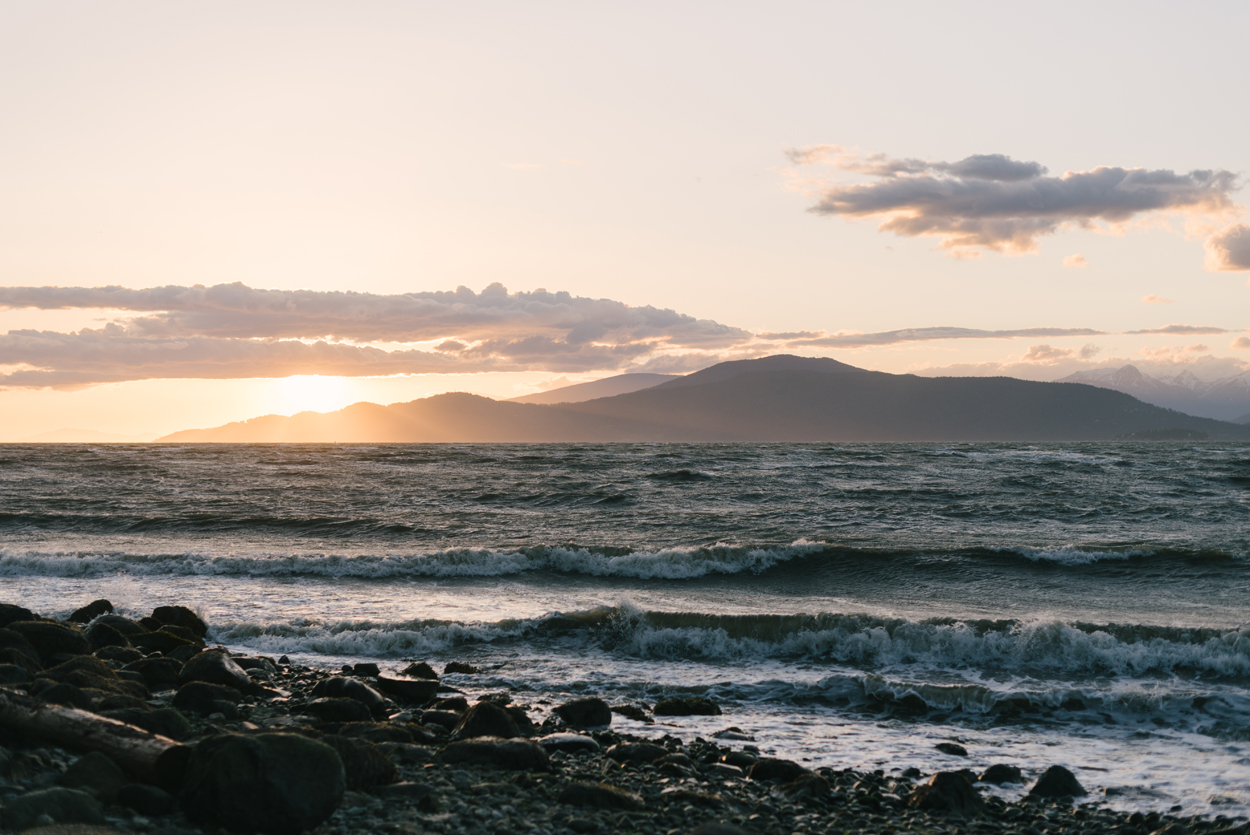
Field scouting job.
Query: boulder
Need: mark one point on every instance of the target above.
(585, 713)
(161, 641)
(456, 704)
(600, 796)
(633, 712)
(354, 689)
(147, 800)
(485, 719)
(444, 719)
(1057, 781)
(51, 639)
(87, 671)
(13, 675)
(281, 784)
(66, 695)
(366, 670)
(337, 710)
(164, 721)
(10, 614)
(95, 773)
(769, 769)
(739, 759)
(181, 616)
(20, 659)
(101, 635)
(417, 690)
(952, 748)
(91, 611)
(377, 732)
(126, 626)
(420, 670)
(950, 792)
(808, 786)
(17, 642)
(515, 754)
(121, 655)
(461, 668)
(637, 753)
(687, 707)
(205, 698)
(158, 673)
(569, 743)
(60, 805)
(216, 667)
(999, 773)
(366, 767)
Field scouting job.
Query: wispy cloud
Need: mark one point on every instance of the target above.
(1076, 261)
(858, 340)
(1153, 299)
(1181, 330)
(992, 202)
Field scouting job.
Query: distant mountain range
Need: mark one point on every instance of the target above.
(780, 398)
(607, 387)
(1227, 398)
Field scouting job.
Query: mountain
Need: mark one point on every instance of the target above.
(607, 387)
(772, 399)
(1224, 399)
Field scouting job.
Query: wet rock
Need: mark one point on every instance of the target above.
(1057, 781)
(420, 670)
(121, 655)
(1000, 773)
(165, 721)
(694, 798)
(119, 702)
(59, 805)
(570, 743)
(366, 670)
(182, 632)
(216, 667)
(420, 793)
(740, 759)
(524, 725)
(101, 635)
(12, 675)
(160, 641)
(49, 639)
(735, 734)
(377, 732)
(126, 626)
(20, 659)
(720, 828)
(158, 673)
(365, 766)
(91, 611)
(636, 753)
(585, 713)
(456, 704)
(950, 792)
(66, 695)
(485, 719)
(257, 662)
(687, 707)
(87, 671)
(274, 783)
(771, 770)
(184, 653)
(95, 773)
(807, 787)
(181, 616)
(147, 800)
(418, 691)
(952, 748)
(11, 614)
(444, 719)
(202, 697)
(600, 796)
(337, 710)
(350, 688)
(460, 667)
(515, 754)
(633, 712)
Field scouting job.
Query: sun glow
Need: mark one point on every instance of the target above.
(312, 392)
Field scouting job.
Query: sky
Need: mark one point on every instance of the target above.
(211, 212)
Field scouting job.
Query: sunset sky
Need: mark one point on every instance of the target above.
(204, 205)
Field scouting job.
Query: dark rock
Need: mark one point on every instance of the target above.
(126, 626)
(999, 773)
(456, 704)
(1057, 781)
(258, 662)
(183, 633)
(569, 743)
(51, 639)
(181, 616)
(637, 753)
(14, 640)
(337, 710)
(158, 673)
(121, 655)
(11, 675)
(377, 732)
(350, 688)
(769, 769)
(165, 721)
(91, 611)
(20, 659)
(366, 670)
(807, 787)
(160, 641)
(734, 733)
(117, 701)
(422, 794)
(950, 792)
(216, 667)
(11, 614)
(633, 712)
(96, 773)
(420, 670)
(694, 798)
(61, 805)
(687, 707)
(442, 718)
(101, 635)
(461, 668)
(585, 713)
(274, 783)
(418, 691)
(911, 773)
(147, 800)
(205, 698)
(515, 754)
(87, 671)
(150, 624)
(952, 748)
(485, 719)
(711, 828)
(365, 766)
(600, 796)
(66, 695)
(184, 653)
(521, 719)
(741, 759)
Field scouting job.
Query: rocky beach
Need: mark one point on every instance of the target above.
(109, 724)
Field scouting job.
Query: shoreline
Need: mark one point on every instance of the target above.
(414, 754)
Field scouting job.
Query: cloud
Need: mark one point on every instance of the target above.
(1153, 299)
(860, 340)
(1075, 261)
(1241, 343)
(1181, 330)
(1229, 249)
(993, 202)
(1045, 353)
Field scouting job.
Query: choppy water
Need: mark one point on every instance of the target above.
(850, 604)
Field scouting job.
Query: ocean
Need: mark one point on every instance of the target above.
(846, 605)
